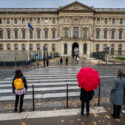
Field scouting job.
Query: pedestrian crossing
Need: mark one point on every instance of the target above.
(49, 83)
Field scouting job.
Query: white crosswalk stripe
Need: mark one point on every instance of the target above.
(48, 83)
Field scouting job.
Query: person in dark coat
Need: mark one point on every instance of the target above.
(117, 94)
(61, 60)
(47, 62)
(66, 61)
(85, 97)
(20, 92)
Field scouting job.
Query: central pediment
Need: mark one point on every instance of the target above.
(76, 6)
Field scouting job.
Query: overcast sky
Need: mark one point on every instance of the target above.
(57, 3)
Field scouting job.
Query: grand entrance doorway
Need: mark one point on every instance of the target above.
(75, 49)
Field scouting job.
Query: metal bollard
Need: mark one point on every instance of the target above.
(67, 99)
(33, 97)
(99, 95)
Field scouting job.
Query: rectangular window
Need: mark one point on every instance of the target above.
(53, 34)
(65, 48)
(23, 21)
(8, 34)
(1, 34)
(15, 21)
(38, 20)
(85, 33)
(106, 21)
(97, 48)
(38, 34)
(66, 33)
(46, 20)
(113, 21)
(54, 21)
(105, 34)
(120, 34)
(121, 21)
(16, 34)
(75, 32)
(8, 21)
(113, 34)
(0, 21)
(31, 34)
(97, 34)
(23, 34)
(46, 34)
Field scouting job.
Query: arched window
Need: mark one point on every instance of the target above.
(112, 49)
(31, 34)
(119, 49)
(53, 47)
(23, 46)
(113, 34)
(8, 34)
(53, 33)
(97, 34)
(105, 33)
(16, 33)
(85, 33)
(97, 47)
(1, 33)
(46, 33)
(104, 47)
(38, 33)
(85, 48)
(1, 46)
(31, 47)
(8, 46)
(16, 46)
(23, 34)
(38, 46)
(65, 48)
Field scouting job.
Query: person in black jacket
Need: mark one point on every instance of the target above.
(19, 93)
(85, 97)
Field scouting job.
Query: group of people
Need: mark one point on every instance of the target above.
(117, 95)
(61, 61)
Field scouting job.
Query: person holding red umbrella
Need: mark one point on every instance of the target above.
(88, 80)
(85, 97)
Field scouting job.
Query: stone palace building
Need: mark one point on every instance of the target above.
(69, 30)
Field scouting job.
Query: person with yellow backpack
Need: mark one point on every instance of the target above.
(19, 86)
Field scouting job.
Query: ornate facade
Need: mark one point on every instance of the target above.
(69, 30)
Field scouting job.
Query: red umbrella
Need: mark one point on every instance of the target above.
(88, 78)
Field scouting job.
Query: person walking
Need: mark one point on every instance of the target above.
(19, 87)
(117, 94)
(85, 97)
(47, 62)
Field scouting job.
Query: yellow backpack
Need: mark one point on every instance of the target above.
(18, 83)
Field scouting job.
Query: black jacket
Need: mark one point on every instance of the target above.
(24, 80)
(86, 95)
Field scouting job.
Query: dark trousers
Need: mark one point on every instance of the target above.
(83, 105)
(17, 100)
(116, 111)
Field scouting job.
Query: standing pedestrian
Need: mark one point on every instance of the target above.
(117, 94)
(123, 111)
(61, 60)
(47, 62)
(44, 62)
(19, 86)
(66, 61)
(85, 97)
